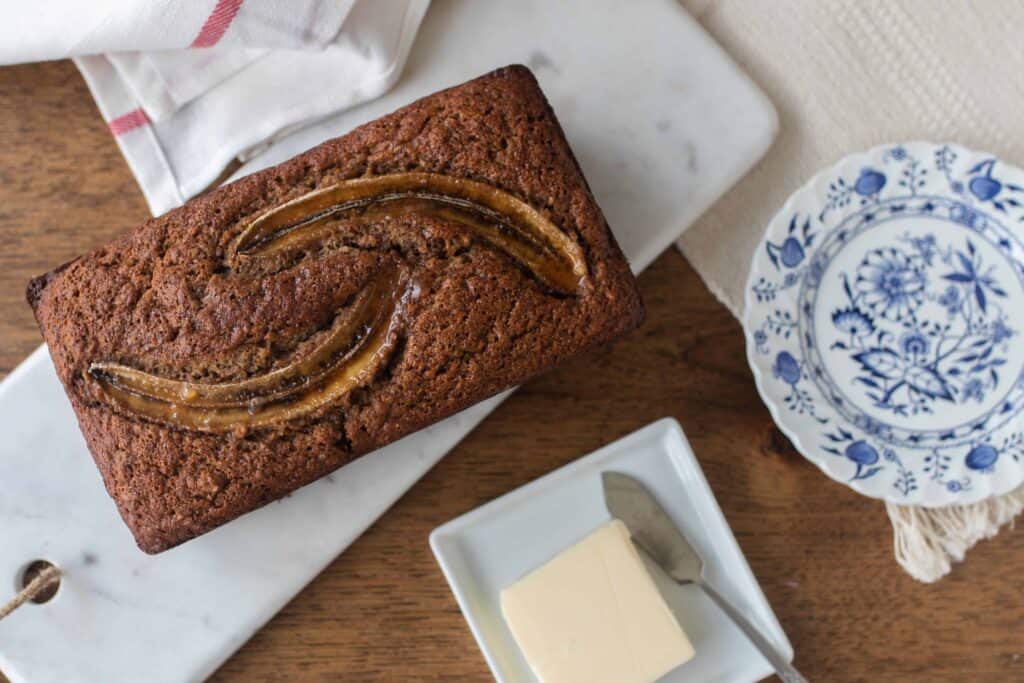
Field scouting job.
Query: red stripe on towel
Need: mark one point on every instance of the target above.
(217, 23)
(130, 121)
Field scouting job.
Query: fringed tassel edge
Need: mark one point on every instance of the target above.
(928, 540)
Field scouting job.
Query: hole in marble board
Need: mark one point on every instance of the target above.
(33, 570)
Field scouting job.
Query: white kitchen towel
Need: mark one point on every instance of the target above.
(148, 42)
(37, 31)
(191, 87)
(847, 75)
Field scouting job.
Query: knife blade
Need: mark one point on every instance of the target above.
(651, 527)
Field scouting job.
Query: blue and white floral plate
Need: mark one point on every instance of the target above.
(885, 323)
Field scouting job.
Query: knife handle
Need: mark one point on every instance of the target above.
(784, 669)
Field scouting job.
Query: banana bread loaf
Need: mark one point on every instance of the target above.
(259, 337)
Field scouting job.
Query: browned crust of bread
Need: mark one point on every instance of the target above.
(157, 298)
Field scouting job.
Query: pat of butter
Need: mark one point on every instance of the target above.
(593, 614)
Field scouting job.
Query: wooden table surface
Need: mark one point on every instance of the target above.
(383, 612)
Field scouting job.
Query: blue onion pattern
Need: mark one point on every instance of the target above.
(862, 453)
(787, 368)
(913, 362)
(982, 457)
(869, 182)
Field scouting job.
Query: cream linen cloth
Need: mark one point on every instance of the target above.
(847, 75)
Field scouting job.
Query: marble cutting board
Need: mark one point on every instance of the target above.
(663, 124)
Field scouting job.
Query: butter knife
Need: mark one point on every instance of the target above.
(655, 533)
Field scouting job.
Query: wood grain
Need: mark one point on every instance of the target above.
(382, 611)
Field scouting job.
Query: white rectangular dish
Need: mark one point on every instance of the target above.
(491, 547)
